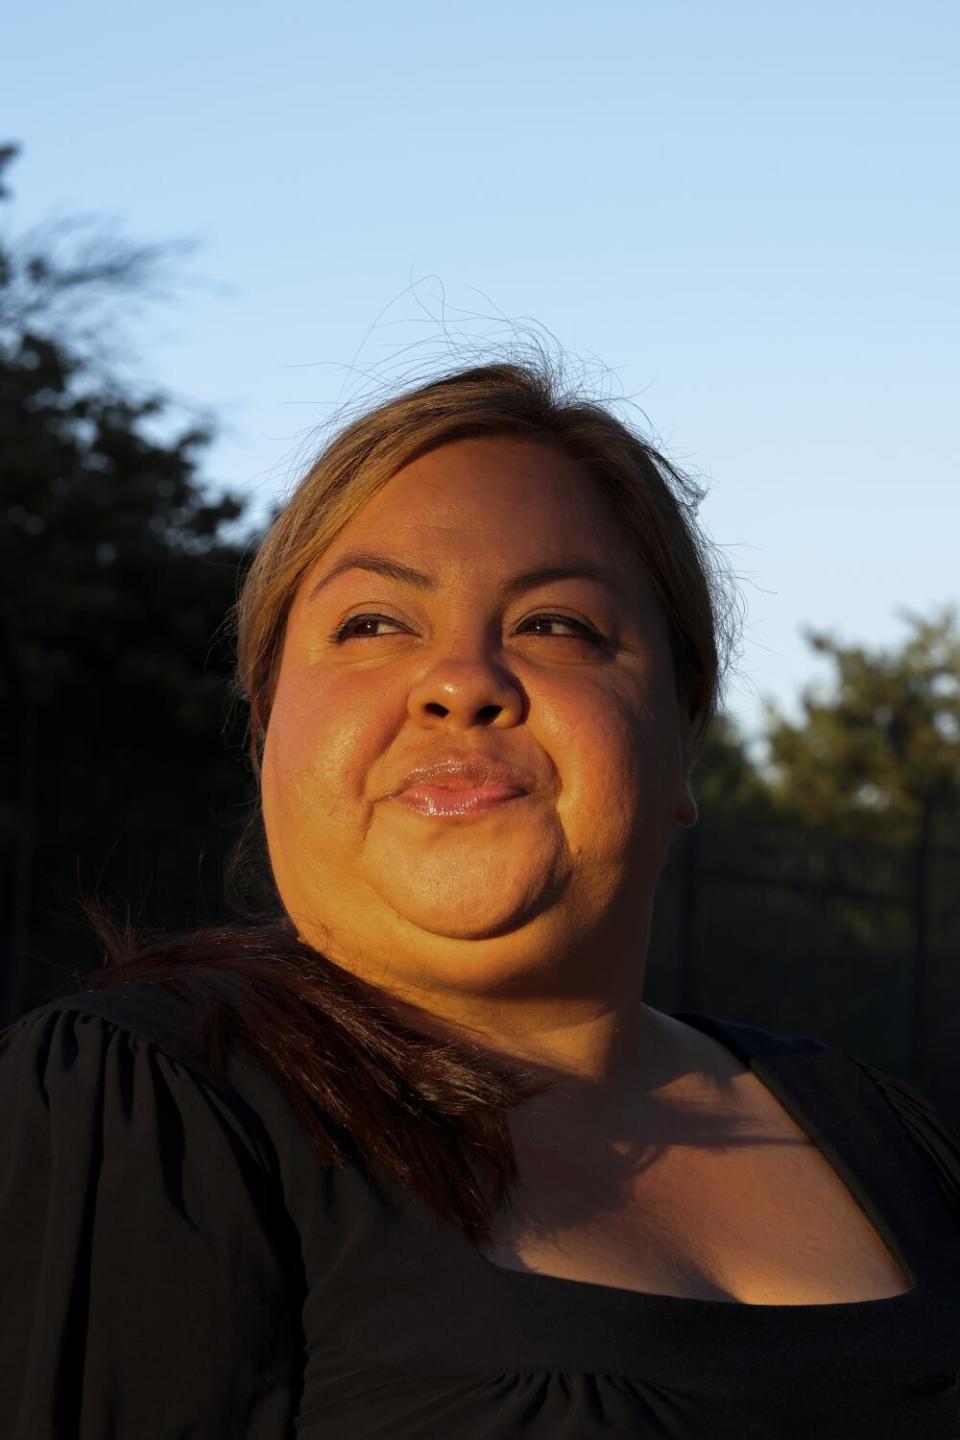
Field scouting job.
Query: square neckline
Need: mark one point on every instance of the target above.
(759, 1066)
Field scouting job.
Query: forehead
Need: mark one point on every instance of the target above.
(517, 496)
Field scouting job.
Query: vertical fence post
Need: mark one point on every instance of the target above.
(921, 902)
(23, 855)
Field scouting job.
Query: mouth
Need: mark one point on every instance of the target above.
(442, 801)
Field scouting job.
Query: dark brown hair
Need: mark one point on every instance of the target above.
(432, 1113)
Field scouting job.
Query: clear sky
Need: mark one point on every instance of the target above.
(744, 214)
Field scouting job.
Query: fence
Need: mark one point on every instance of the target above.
(779, 926)
(852, 943)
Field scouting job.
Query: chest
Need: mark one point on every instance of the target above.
(759, 1216)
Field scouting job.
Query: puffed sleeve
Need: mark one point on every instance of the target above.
(925, 1125)
(147, 1288)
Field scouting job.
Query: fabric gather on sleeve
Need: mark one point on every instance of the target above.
(146, 1281)
(925, 1126)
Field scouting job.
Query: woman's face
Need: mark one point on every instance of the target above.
(545, 893)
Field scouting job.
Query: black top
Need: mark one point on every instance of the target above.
(175, 1264)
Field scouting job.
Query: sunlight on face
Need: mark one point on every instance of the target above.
(569, 680)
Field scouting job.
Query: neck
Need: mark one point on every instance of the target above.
(600, 1056)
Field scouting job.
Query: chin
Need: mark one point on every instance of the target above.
(471, 903)
(484, 922)
(481, 968)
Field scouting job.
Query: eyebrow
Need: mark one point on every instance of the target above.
(391, 569)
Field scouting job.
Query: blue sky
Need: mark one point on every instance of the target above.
(744, 217)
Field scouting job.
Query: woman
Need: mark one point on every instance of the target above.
(416, 1159)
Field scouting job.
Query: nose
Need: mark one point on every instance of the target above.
(466, 692)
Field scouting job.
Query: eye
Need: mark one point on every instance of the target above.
(345, 631)
(581, 626)
(348, 630)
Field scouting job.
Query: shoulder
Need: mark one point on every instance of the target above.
(73, 1028)
(148, 1010)
(923, 1123)
(133, 1047)
(750, 1042)
(143, 1222)
(172, 1044)
(864, 1086)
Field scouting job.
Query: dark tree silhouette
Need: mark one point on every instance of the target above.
(122, 761)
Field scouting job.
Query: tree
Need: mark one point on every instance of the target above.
(115, 580)
(874, 754)
(726, 782)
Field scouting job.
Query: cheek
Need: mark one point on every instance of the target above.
(321, 746)
(617, 771)
(592, 744)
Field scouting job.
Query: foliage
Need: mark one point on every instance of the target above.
(726, 782)
(868, 757)
(115, 578)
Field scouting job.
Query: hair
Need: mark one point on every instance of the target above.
(432, 1113)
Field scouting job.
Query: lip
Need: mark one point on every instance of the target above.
(443, 800)
(466, 772)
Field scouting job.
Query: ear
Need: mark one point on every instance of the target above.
(686, 813)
